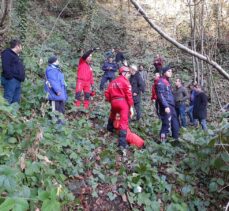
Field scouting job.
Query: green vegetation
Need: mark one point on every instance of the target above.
(77, 166)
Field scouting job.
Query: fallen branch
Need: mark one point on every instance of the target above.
(179, 45)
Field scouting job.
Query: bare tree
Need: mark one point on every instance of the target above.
(179, 45)
(5, 13)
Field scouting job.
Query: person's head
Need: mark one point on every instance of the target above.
(133, 69)
(178, 83)
(141, 67)
(198, 88)
(157, 76)
(166, 71)
(110, 59)
(16, 45)
(53, 60)
(124, 71)
(112, 50)
(88, 59)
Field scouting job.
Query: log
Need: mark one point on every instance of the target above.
(205, 58)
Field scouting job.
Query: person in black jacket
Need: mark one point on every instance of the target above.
(13, 72)
(109, 68)
(119, 57)
(138, 87)
(200, 107)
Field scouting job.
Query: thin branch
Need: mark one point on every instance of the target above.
(179, 45)
(54, 25)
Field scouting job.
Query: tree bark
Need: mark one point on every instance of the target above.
(179, 45)
(5, 14)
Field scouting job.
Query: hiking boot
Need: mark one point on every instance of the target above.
(77, 103)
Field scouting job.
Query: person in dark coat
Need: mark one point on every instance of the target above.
(167, 105)
(13, 72)
(158, 63)
(119, 57)
(109, 68)
(138, 87)
(181, 96)
(191, 103)
(200, 107)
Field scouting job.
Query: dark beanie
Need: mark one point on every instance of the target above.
(165, 69)
(52, 59)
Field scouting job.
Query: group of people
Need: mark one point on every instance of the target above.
(123, 92)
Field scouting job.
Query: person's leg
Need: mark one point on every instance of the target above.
(60, 106)
(190, 113)
(182, 108)
(137, 107)
(203, 123)
(9, 87)
(165, 126)
(87, 90)
(79, 88)
(178, 114)
(102, 83)
(110, 126)
(124, 115)
(174, 123)
(17, 92)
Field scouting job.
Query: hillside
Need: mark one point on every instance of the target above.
(77, 166)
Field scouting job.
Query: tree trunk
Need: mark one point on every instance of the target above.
(5, 15)
(178, 45)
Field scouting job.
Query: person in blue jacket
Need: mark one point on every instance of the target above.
(55, 85)
(167, 105)
(13, 72)
(109, 68)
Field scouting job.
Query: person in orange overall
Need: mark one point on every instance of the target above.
(131, 138)
(119, 95)
(85, 79)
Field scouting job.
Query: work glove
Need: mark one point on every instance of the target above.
(131, 112)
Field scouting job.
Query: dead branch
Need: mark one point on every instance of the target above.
(179, 45)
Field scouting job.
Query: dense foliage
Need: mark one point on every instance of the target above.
(77, 166)
(41, 163)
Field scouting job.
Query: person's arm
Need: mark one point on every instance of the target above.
(128, 95)
(204, 100)
(107, 95)
(52, 78)
(105, 67)
(185, 95)
(6, 66)
(141, 84)
(160, 89)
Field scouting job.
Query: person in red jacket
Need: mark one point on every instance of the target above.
(84, 79)
(131, 138)
(158, 63)
(120, 97)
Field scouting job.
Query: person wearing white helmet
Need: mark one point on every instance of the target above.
(119, 95)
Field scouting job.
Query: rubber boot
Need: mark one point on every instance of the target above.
(122, 139)
(77, 103)
(86, 104)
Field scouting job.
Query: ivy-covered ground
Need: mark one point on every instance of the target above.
(48, 167)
